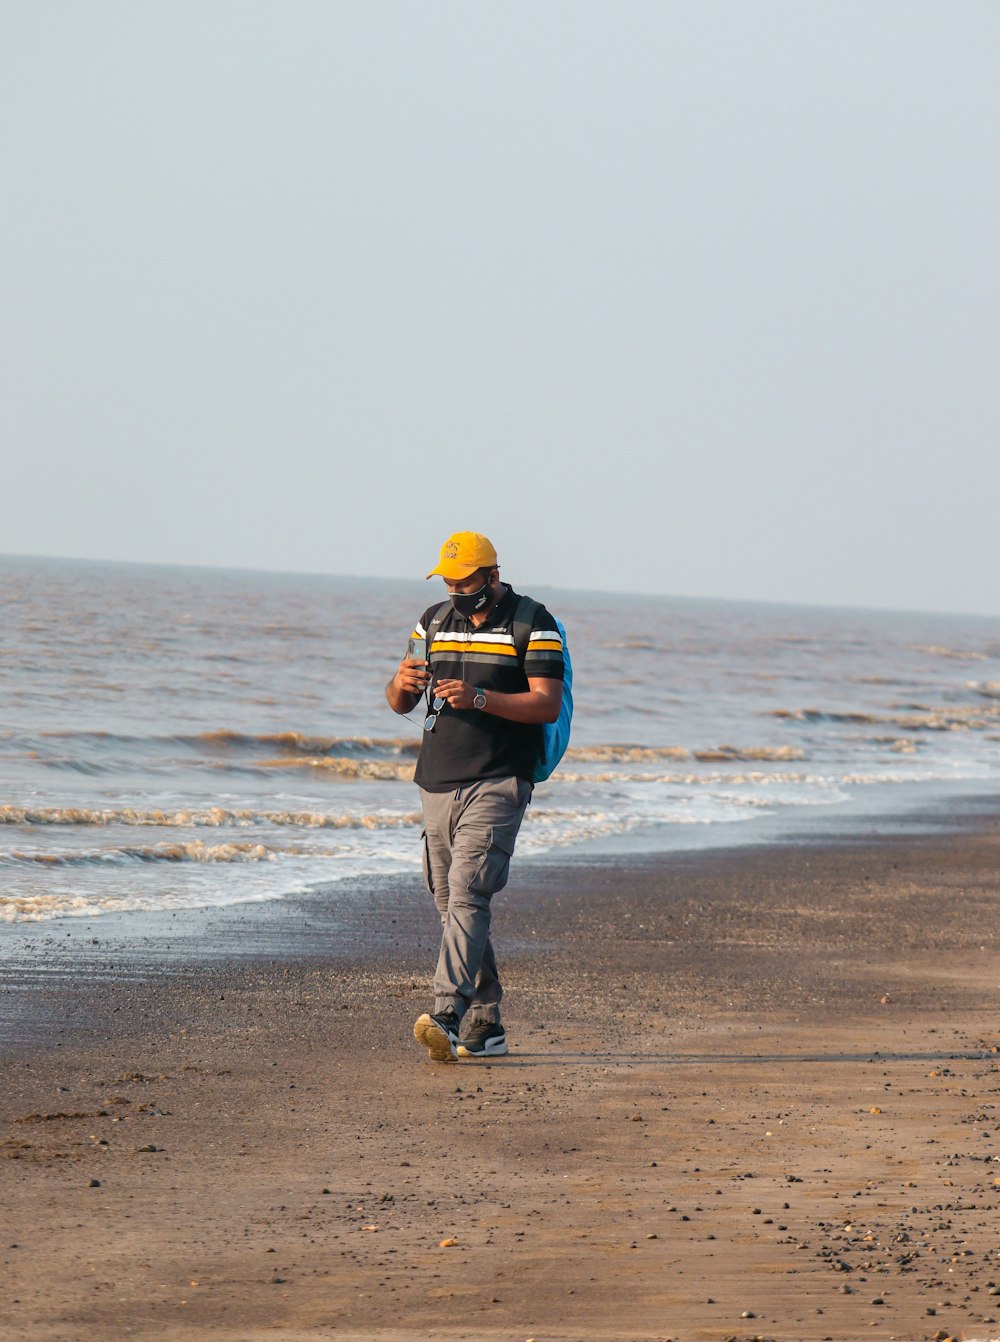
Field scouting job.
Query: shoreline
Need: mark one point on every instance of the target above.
(894, 808)
(741, 1080)
(287, 925)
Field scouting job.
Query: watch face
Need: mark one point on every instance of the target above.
(480, 700)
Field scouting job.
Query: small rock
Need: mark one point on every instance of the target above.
(652, 1235)
(150, 1147)
(748, 1314)
(447, 1243)
(94, 1183)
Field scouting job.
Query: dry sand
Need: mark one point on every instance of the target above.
(750, 1094)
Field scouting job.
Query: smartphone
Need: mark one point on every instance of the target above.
(416, 649)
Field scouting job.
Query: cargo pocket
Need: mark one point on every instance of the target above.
(492, 872)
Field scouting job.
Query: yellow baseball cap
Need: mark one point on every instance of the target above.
(462, 554)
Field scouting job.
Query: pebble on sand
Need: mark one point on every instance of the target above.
(448, 1243)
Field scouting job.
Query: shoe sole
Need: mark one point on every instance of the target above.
(490, 1051)
(427, 1032)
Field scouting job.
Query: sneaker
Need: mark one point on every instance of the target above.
(486, 1039)
(438, 1033)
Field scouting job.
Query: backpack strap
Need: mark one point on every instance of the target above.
(437, 619)
(524, 620)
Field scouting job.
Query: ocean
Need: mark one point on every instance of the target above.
(174, 738)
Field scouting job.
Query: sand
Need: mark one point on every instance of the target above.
(751, 1093)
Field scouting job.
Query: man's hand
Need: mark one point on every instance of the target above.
(412, 676)
(407, 685)
(457, 693)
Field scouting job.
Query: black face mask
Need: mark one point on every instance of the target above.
(471, 603)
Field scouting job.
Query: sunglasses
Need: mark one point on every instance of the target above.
(430, 721)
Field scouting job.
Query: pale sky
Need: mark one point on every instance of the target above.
(700, 298)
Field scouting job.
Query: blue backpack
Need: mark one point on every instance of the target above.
(555, 735)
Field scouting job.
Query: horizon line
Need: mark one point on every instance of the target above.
(582, 591)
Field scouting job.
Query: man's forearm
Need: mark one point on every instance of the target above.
(400, 700)
(528, 706)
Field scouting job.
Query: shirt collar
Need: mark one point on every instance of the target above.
(503, 610)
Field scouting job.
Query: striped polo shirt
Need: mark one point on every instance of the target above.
(467, 745)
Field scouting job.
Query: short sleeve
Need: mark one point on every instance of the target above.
(544, 654)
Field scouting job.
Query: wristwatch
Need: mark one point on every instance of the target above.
(479, 699)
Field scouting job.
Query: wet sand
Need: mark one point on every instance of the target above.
(751, 1093)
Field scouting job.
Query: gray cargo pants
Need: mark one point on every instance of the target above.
(468, 839)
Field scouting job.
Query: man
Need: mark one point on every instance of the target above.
(481, 741)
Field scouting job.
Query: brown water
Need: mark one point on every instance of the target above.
(179, 737)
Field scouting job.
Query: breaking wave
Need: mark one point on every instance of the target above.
(215, 817)
(298, 743)
(224, 739)
(195, 851)
(650, 754)
(345, 768)
(625, 754)
(938, 650)
(910, 718)
(730, 780)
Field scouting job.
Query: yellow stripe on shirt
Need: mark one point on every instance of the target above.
(447, 645)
